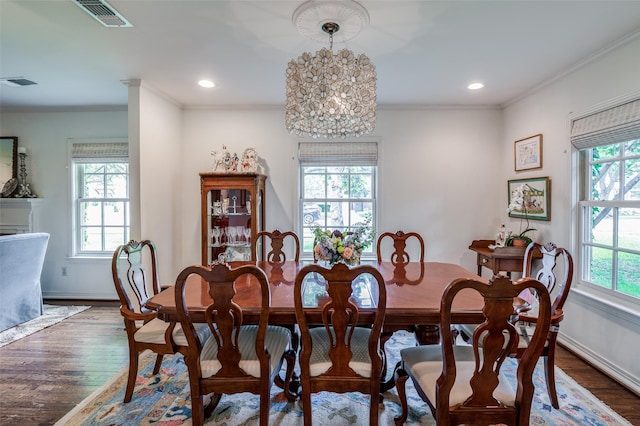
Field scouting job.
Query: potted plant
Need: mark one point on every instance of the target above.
(520, 201)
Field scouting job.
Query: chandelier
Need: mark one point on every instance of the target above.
(330, 95)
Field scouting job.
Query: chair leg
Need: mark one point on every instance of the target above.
(133, 373)
(197, 410)
(158, 364)
(306, 406)
(374, 405)
(401, 377)
(549, 373)
(215, 399)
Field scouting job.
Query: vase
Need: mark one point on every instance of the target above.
(517, 242)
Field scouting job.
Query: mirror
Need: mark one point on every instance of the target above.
(8, 163)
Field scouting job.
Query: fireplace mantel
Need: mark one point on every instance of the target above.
(16, 215)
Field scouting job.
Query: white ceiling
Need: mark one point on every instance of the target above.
(425, 52)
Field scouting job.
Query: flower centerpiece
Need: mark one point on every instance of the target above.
(345, 247)
(520, 201)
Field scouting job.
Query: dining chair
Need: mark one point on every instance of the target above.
(466, 384)
(544, 270)
(338, 353)
(277, 240)
(134, 267)
(238, 357)
(400, 253)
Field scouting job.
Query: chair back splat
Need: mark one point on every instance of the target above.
(465, 384)
(237, 357)
(277, 239)
(399, 239)
(340, 350)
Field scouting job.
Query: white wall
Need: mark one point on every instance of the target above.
(45, 136)
(608, 337)
(449, 198)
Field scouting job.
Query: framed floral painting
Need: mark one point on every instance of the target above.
(528, 153)
(530, 198)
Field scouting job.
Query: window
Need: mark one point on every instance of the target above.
(609, 158)
(338, 188)
(101, 197)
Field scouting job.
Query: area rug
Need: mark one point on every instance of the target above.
(52, 314)
(164, 400)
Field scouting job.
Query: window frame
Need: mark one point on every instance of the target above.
(606, 299)
(330, 162)
(585, 203)
(76, 181)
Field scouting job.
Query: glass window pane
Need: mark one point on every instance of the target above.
(602, 225)
(603, 152)
(628, 273)
(114, 213)
(117, 168)
(91, 239)
(116, 186)
(605, 183)
(361, 186)
(338, 215)
(632, 147)
(629, 229)
(93, 186)
(313, 169)
(113, 237)
(600, 267)
(94, 168)
(90, 213)
(338, 186)
(314, 186)
(312, 214)
(632, 179)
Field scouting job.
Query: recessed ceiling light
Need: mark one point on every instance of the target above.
(475, 86)
(206, 83)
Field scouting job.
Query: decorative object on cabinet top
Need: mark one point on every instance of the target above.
(224, 161)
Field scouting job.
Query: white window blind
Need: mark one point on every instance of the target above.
(613, 125)
(338, 153)
(100, 152)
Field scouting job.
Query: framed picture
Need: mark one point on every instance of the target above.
(534, 197)
(8, 159)
(528, 153)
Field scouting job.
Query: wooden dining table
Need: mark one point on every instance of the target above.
(413, 289)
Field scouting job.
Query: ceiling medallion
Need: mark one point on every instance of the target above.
(330, 95)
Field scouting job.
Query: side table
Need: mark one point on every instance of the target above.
(507, 259)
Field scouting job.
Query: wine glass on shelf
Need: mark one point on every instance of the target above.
(216, 236)
(247, 235)
(231, 232)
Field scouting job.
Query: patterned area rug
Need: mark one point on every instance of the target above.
(164, 400)
(52, 315)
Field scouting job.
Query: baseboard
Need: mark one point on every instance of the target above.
(602, 364)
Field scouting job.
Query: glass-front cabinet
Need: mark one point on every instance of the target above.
(232, 213)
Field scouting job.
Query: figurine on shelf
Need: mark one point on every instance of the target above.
(249, 162)
(219, 159)
(501, 236)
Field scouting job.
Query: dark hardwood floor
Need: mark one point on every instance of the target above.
(43, 376)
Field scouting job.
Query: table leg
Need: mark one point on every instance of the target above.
(427, 334)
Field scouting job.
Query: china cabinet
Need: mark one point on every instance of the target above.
(232, 213)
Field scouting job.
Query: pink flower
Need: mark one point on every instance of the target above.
(347, 253)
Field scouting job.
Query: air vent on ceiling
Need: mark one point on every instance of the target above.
(16, 81)
(103, 12)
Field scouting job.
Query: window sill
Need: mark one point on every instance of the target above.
(626, 311)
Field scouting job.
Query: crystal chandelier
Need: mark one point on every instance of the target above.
(330, 95)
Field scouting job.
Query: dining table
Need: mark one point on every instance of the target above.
(414, 290)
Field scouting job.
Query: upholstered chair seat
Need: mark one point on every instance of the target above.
(276, 341)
